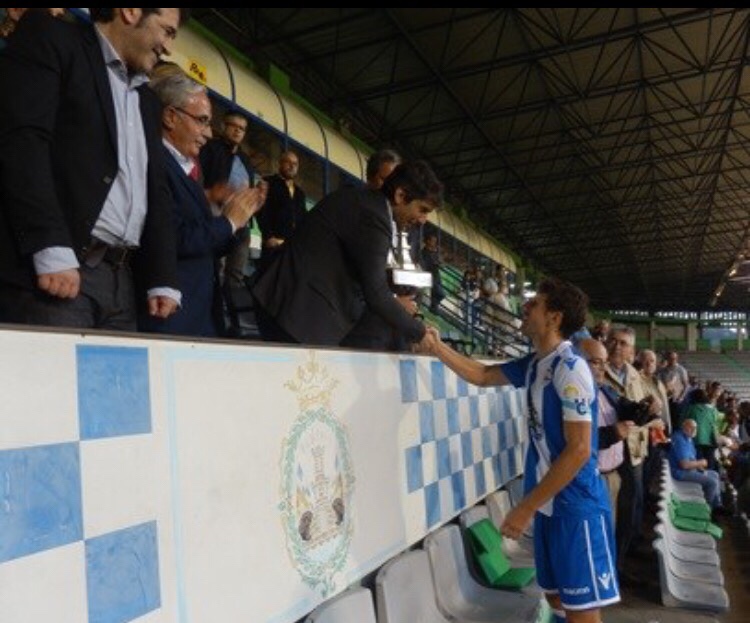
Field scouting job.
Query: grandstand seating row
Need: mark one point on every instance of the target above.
(440, 582)
(732, 369)
(689, 565)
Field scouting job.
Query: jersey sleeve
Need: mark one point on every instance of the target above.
(515, 371)
(575, 386)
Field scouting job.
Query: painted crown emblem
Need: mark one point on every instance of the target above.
(312, 385)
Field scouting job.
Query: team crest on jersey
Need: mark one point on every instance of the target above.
(571, 392)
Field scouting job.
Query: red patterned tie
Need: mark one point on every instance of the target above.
(195, 172)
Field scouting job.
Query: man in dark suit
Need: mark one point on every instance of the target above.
(202, 238)
(312, 293)
(82, 171)
(285, 209)
(223, 162)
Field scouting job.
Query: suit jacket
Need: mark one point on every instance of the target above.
(281, 214)
(314, 288)
(58, 150)
(201, 240)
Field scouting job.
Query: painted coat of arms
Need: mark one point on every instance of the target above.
(317, 482)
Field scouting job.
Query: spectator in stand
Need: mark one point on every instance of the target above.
(313, 293)
(627, 382)
(704, 414)
(686, 466)
(431, 262)
(284, 211)
(380, 165)
(223, 163)
(601, 330)
(202, 238)
(80, 116)
(611, 429)
(472, 293)
(658, 435)
(675, 379)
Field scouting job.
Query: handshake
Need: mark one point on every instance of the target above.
(430, 343)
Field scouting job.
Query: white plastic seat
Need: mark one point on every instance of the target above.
(461, 598)
(686, 552)
(690, 571)
(404, 590)
(520, 552)
(679, 593)
(352, 605)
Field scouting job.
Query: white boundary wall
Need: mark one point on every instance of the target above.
(169, 481)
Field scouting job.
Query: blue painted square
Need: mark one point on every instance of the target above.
(122, 574)
(113, 391)
(443, 458)
(414, 472)
(432, 503)
(454, 426)
(437, 371)
(40, 491)
(459, 491)
(486, 442)
(426, 422)
(462, 387)
(496, 470)
(466, 449)
(474, 411)
(479, 481)
(408, 371)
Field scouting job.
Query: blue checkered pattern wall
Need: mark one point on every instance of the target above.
(42, 501)
(466, 441)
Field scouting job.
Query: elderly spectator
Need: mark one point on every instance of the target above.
(611, 430)
(686, 465)
(202, 238)
(675, 379)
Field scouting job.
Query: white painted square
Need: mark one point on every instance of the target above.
(440, 410)
(470, 486)
(464, 414)
(429, 462)
(446, 499)
(48, 586)
(38, 389)
(124, 482)
(409, 430)
(415, 515)
(476, 444)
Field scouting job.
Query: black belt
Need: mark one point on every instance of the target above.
(98, 251)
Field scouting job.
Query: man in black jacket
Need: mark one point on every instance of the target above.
(312, 293)
(82, 171)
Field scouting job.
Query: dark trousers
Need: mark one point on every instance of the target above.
(629, 507)
(106, 301)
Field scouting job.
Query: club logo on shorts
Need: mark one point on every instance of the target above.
(604, 580)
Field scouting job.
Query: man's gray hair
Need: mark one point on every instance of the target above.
(175, 88)
(622, 328)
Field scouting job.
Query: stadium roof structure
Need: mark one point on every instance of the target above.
(610, 147)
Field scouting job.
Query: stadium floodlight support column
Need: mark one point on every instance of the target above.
(652, 335)
(692, 336)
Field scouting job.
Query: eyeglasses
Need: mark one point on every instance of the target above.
(202, 120)
(595, 361)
